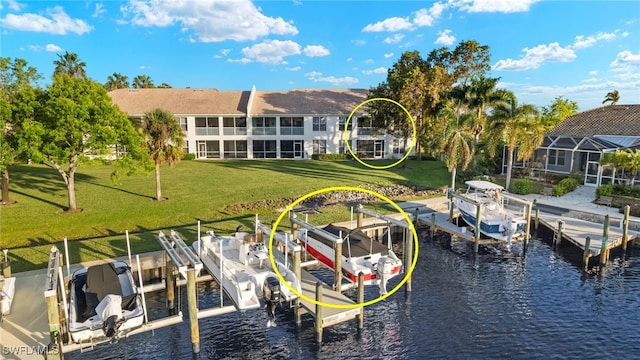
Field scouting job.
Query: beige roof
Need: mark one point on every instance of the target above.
(606, 120)
(181, 101)
(215, 102)
(308, 102)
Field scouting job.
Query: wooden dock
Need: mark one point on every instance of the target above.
(329, 315)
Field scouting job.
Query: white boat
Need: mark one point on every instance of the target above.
(104, 302)
(495, 221)
(7, 292)
(242, 267)
(360, 254)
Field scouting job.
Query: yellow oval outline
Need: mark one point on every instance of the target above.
(343, 188)
(414, 138)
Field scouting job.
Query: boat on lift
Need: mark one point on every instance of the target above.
(241, 265)
(103, 302)
(360, 253)
(495, 221)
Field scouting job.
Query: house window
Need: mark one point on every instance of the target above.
(370, 149)
(264, 149)
(291, 149)
(264, 125)
(342, 120)
(235, 149)
(208, 149)
(397, 146)
(365, 126)
(556, 157)
(183, 123)
(234, 125)
(207, 125)
(342, 147)
(319, 123)
(319, 146)
(291, 125)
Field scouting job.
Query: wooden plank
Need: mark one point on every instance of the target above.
(330, 315)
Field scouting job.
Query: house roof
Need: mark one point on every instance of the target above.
(606, 120)
(215, 102)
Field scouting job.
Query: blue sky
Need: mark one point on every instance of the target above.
(540, 49)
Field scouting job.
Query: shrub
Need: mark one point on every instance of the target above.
(189, 156)
(521, 186)
(569, 184)
(604, 190)
(331, 156)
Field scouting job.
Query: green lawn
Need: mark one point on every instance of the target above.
(196, 190)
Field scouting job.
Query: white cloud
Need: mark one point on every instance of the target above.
(271, 51)
(316, 50)
(444, 38)
(503, 6)
(359, 42)
(534, 57)
(296, 68)
(582, 41)
(391, 24)
(625, 59)
(380, 70)
(593, 72)
(48, 48)
(369, 61)
(58, 22)
(210, 20)
(427, 17)
(349, 59)
(99, 10)
(242, 60)
(388, 55)
(396, 38)
(317, 77)
(13, 5)
(223, 53)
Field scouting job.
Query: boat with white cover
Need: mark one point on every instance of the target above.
(495, 221)
(360, 253)
(241, 265)
(104, 302)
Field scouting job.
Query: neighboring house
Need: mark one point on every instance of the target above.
(576, 144)
(265, 124)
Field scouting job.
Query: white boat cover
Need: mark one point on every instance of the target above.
(109, 306)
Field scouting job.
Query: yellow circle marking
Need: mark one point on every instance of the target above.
(343, 188)
(380, 167)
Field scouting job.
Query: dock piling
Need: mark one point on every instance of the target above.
(476, 235)
(432, 230)
(587, 253)
(193, 310)
(625, 227)
(318, 322)
(337, 275)
(171, 281)
(54, 350)
(604, 253)
(361, 299)
(557, 238)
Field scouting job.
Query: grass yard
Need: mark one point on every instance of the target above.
(196, 190)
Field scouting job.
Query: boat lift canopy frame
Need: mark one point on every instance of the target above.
(386, 218)
(181, 250)
(318, 231)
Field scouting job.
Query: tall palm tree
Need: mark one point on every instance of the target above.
(164, 138)
(612, 96)
(457, 139)
(142, 82)
(481, 95)
(519, 127)
(116, 81)
(70, 64)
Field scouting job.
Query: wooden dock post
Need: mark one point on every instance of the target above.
(451, 206)
(527, 233)
(337, 274)
(318, 324)
(359, 219)
(54, 350)
(587, 253)
(361, 299)
(625, 227)
(297, 308)
(193, 311)
(476, 235)
(557, 239)
(294, 231)
(171, 282)
(604, 254)
(409, 257)
(432, 231)
(537, 220)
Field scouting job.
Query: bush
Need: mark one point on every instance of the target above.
(521, 186)
(604, 190)
(331, 156)
(569, 184)
(189, 156)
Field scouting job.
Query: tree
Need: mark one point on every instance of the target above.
(457, 138)
(612, 96)
(116, 81)
(627, 160)
(518, 127)
(142, 82)
(69, 64)
(80, 118)
(164, 86)
(19, 131)
(164, 139)
(559, 110)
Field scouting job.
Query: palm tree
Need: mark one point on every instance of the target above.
(164, 138)
(116, 81)
(457, 139)
(612, 96)
(142, 82)
(482, 94)
(519, 127)
(70, 64)
(627, 160)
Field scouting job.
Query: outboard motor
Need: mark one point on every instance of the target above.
(110, 312)
(384, 269)
(271, 294)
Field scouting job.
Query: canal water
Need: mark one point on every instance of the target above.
(496, 304)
